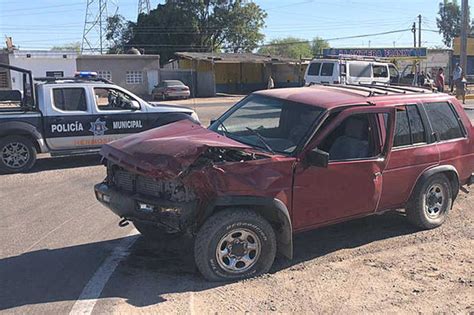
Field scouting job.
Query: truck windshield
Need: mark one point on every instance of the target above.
(268, 123)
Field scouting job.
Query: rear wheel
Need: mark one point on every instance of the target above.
(17, 154)
(234, 244)
(431, 202)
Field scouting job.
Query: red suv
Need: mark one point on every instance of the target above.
(284, 161)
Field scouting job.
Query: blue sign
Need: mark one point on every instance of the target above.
(378, 52)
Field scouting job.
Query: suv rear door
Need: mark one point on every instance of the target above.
(352, 183)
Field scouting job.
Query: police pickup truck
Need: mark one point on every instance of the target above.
(69, 116)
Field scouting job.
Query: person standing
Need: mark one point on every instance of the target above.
(440, 80)
(457, 77)
(270, 83)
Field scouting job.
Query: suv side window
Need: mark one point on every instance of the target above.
(354, 138)
(443, 121)
(327, 69)
(409, 128)
(314, 68)
(70, 99)
(380, 71)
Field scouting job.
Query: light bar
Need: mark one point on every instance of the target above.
(85, 74)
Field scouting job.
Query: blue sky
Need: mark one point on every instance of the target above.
(40, 24)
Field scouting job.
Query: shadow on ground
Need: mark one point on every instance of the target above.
(153, 270)
(65, 162)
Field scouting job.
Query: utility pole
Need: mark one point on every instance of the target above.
(464, 31)
(143, 7)
(95, 27)
(419, 31)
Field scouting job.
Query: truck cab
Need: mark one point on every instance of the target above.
(66, 116)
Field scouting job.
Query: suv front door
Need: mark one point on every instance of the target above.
(351, 184)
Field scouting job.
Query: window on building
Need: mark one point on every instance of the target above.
(314, 68)
(444, 121)
(327, 69)
(409, 127)
(55, 74)
(104, 74)
(134, 77)
(70, 99)
(3, 80)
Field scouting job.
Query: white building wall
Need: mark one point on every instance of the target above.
(39, 62)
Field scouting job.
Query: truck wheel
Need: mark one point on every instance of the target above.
(234, 244)
(430, 202)
(153, 233)
(17, 154)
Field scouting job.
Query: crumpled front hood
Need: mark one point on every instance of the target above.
(168, 150)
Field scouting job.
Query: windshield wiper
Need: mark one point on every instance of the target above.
(259, 136)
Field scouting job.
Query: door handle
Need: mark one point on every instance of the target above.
(57, 119)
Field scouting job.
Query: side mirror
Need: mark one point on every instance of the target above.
(318, 158)
(213, 120)
(134, 105)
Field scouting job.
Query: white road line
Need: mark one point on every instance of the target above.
(91, 292)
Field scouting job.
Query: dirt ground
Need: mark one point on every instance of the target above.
(378, 264)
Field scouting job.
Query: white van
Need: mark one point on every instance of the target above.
(336, 71)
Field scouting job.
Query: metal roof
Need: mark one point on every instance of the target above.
(234, 57)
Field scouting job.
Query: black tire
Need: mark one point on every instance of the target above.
(154, 233)
(430, 202)
(230, 223)
(25, 156)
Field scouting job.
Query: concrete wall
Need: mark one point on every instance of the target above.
(40, 62)
(118, 65)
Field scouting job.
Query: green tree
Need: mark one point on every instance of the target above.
(289, 47)
(119, 32)
(193, 25)
(449, 21)
(317, 46)
(74, 46)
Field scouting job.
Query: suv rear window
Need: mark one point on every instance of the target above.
(409, 127)
(444, 121)
(314, 68)
(327, 69)
(70, 99)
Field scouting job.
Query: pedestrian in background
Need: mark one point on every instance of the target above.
(461, 88)
(457, 74)
(440, 80)
(270, 83)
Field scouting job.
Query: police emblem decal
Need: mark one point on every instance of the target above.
(98, 127)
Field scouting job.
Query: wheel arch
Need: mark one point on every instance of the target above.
(272, 209)
(26, 130)
(449, 170)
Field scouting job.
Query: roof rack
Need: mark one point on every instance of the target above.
(408, 88)
(356, 88)
(375, 89)
(71, 79)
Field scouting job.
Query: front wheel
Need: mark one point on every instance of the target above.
(17, 154)
(234, 244)
(430, 202)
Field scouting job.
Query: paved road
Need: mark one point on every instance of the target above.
(57, 243)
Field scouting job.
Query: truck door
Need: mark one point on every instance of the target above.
(68, 115)
(118, 114)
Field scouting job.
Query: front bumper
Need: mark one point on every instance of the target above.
(172, 216)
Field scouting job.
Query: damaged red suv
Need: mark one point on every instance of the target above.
(284, 161)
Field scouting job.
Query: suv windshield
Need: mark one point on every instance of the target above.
(268, 123)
